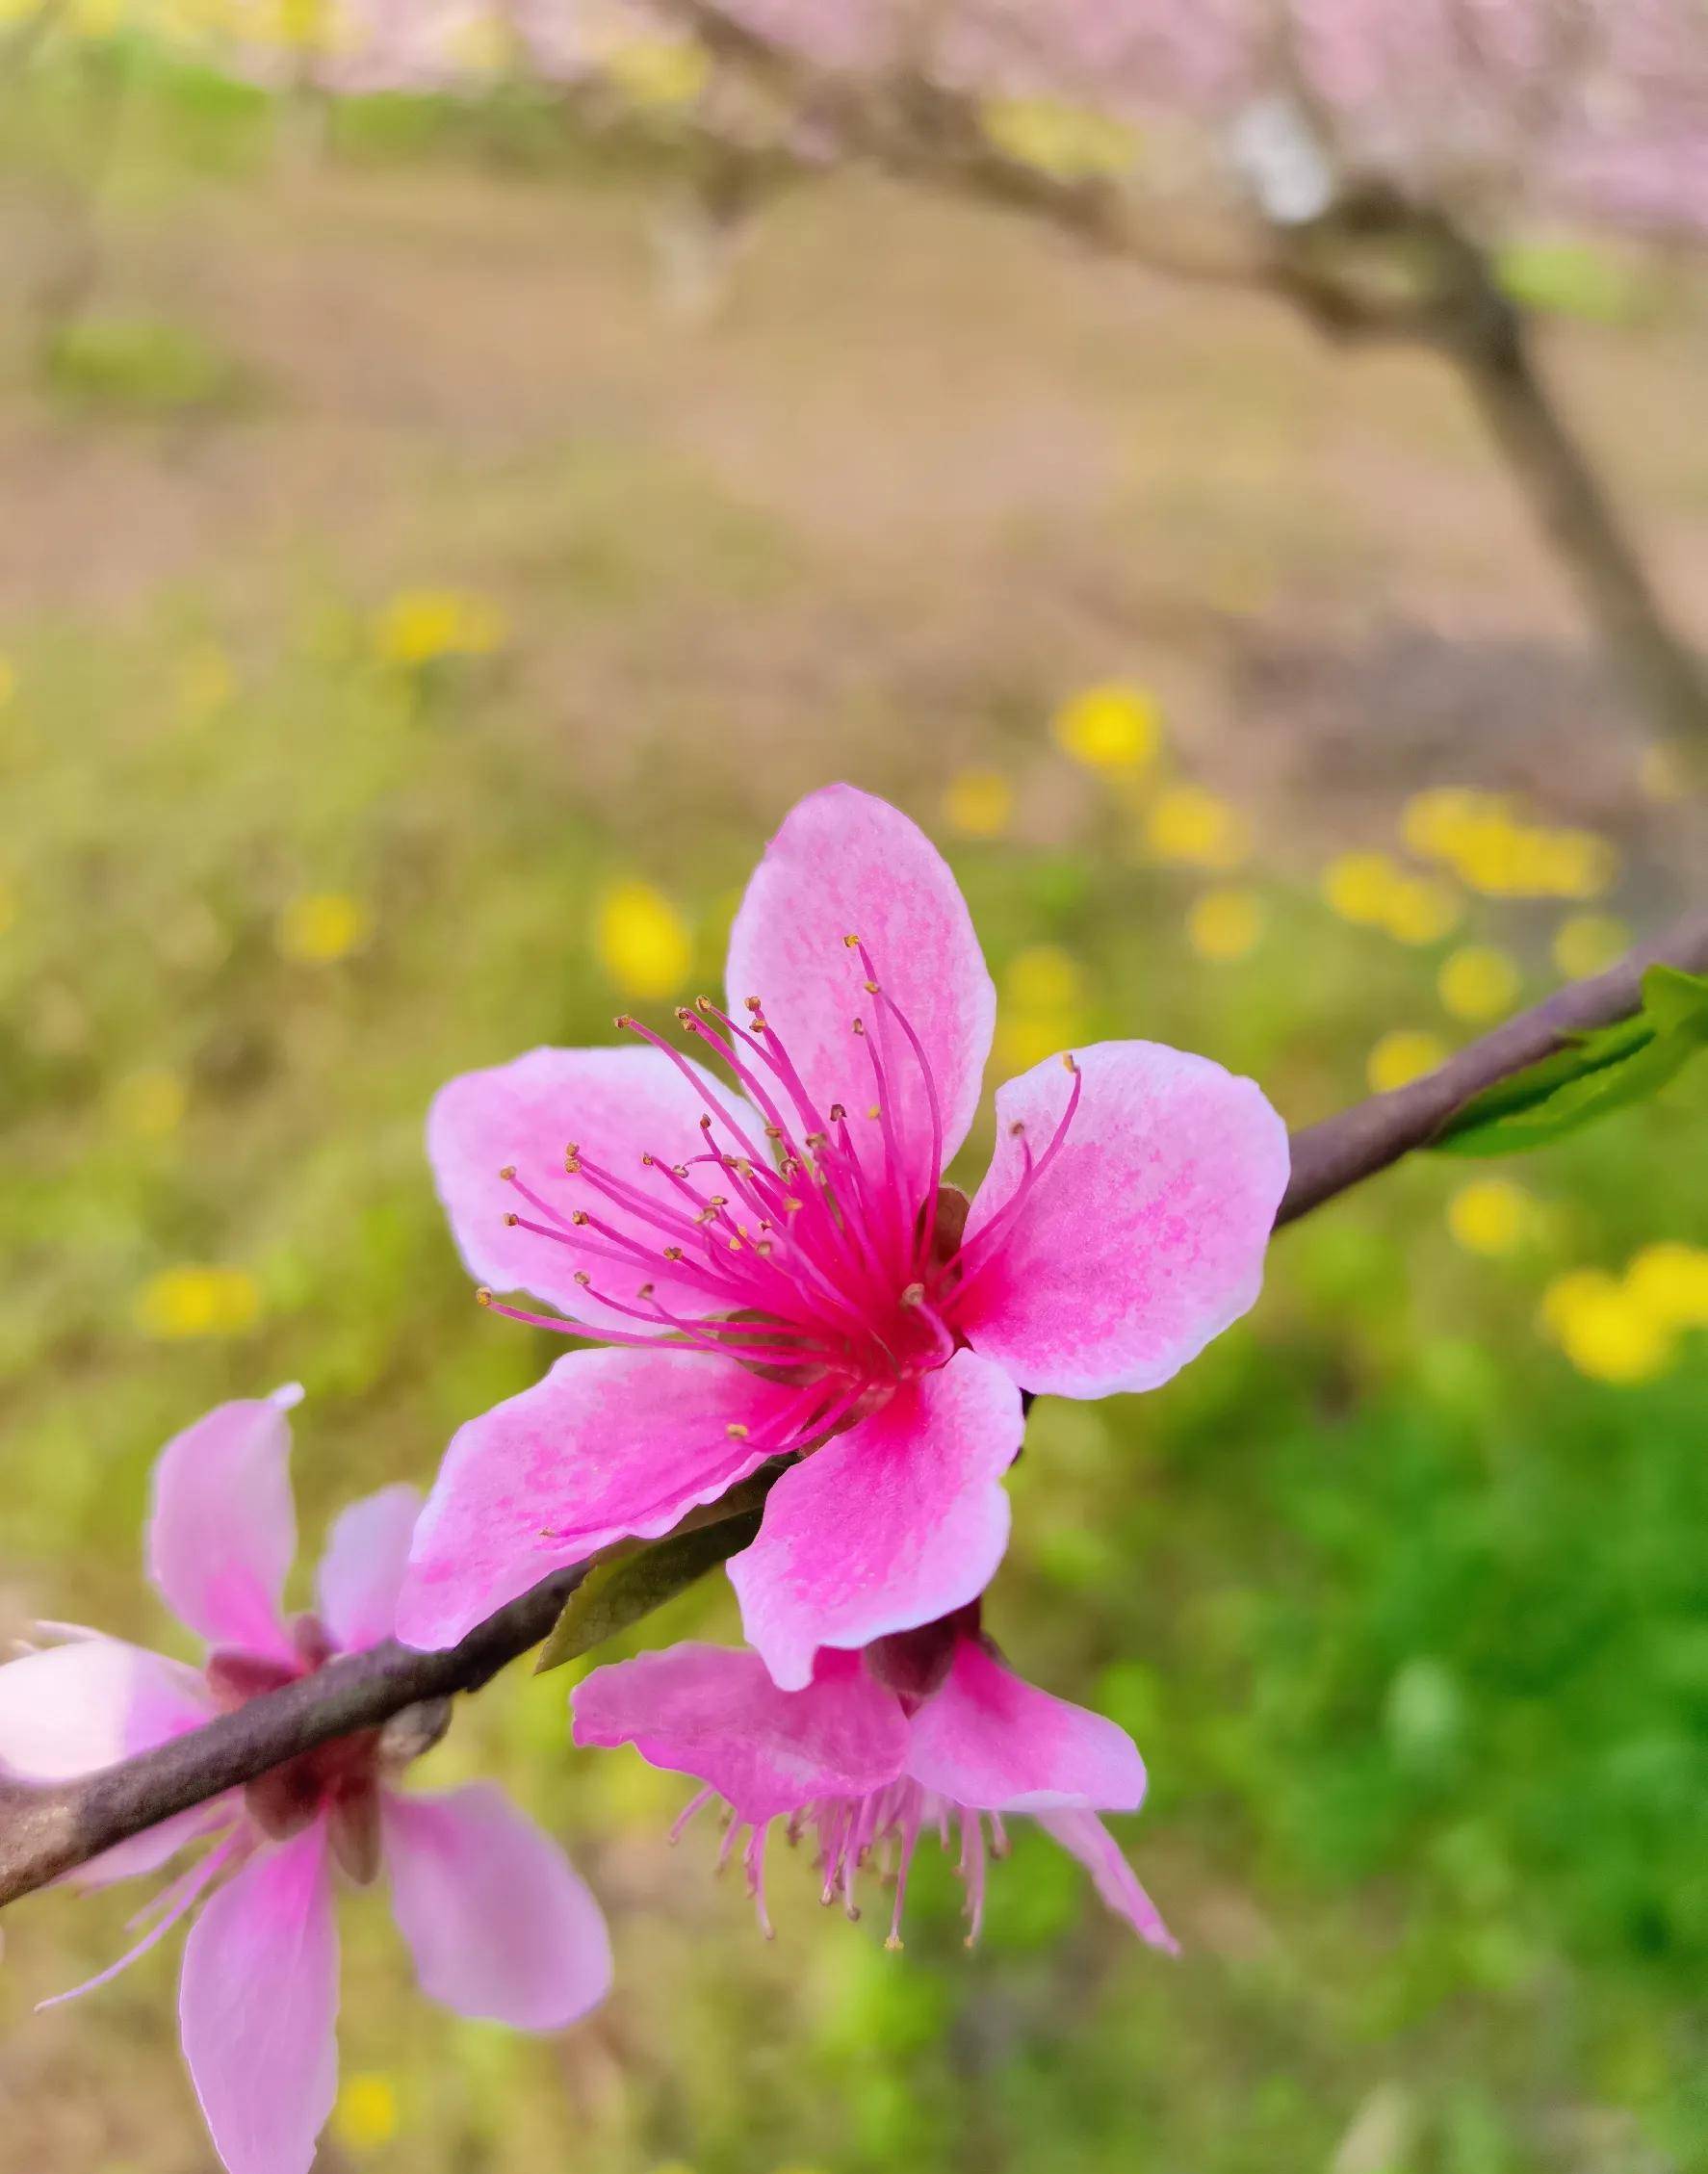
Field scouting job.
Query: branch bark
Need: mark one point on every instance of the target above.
(47, 1831)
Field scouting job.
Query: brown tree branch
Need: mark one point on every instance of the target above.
(47, 1831)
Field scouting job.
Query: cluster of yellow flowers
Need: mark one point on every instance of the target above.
(1372, 891)
(1482, 837)
(1043, 1006)
(642, 941)
(1625, 1328)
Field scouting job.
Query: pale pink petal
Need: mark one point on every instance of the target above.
(257, 2007)
(497, 1920)
(1144, 1235)
(990, 1741)
(842, 864)
(712, 1712)
(612, 1443)
(72, 1709)
(616, 1105)
(899, 1520)
(1087, 1838)
(362, 1570)
(222, 1527)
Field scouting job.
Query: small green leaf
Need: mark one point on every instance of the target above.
(622, 1588)
(1593, 1075)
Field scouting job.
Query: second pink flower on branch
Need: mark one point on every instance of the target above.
(777, 1266)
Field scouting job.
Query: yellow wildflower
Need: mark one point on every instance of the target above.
(1492, 1215)
(366, 2113)
(1403, 1056)
(1589, 943)
(1478, 982)
(1111, 728)
(149, 1103)
(1670, 1281)
(659, 72)
(642, 941)
(978, 803)
(1358, 887)
(1185, 823)
(1067, 142)
(420, 626)
(322, 926)
(1224, 926)
(1044, 978)
(198, 1301)
(1024, 1038)
(1602, 1328)
(1419, 910)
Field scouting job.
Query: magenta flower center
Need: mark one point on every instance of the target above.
(820, 1237)
(339, 1781)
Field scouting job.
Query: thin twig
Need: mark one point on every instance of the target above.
(47, 1831)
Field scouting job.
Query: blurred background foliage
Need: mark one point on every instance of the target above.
(410, 631)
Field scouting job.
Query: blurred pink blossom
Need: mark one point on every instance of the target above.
(925, 1731)
(789, 1272)
(497, 1920)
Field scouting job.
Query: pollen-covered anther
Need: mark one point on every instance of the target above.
(837, 1111)
(673, 1252)
(736, 1431)
(582, 1277)
(751, 1003)
(852, 943)
(914, 1295)
(860, 1026)
(511, 1220)
(874, 1111)
(775, 1133)
(507, 1172)
(645, 1291)
(482, 1295)
(1069, 1062)
(580, 1218)
(1016, 1127)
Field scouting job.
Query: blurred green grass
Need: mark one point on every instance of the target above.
(1409, 1615)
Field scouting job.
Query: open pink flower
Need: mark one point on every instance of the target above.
(497, 1920)
(925, 1731)
(784, 1269)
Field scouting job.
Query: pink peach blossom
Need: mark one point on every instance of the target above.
(925, 1731)
(784, 1269)
(497, 1920)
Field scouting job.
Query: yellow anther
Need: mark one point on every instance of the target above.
(623, 1022)
(1069, 1063)
(874, 1111)
(582, 1277)
(736, 1431)
(751, 1003)
(852, 942)
(580, 1218)
(507, 1172)
(871, 988)
(512, 1220)
(914, 1295)
(646, 1162)
(483, 1296)
(672, 1252)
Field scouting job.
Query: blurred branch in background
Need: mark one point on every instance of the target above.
(1361, 257)
(45, 1832)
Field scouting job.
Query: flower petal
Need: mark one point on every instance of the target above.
(996, 1743)
(616, 1105)
(362, 1570)
(1085, 1836)
(257, 2007)
(899, 1520)
(612, 1443)
(1143, 1238)
(73, 1709)
(845, 863)
(222, 1527)
(713, 1712)
(498, 1921)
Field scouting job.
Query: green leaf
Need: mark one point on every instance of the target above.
(622, 1588)
(1593, 1075)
